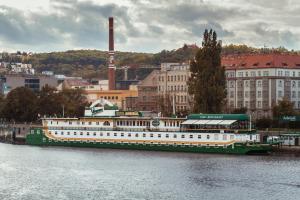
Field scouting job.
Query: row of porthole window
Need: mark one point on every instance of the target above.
(131, 134)
(106, 123)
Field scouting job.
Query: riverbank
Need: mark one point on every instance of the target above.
(286, 150)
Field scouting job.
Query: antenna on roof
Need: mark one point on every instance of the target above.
(265, 48)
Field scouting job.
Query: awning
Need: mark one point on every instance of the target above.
(227, 122)
(213, 122)
(209, 122)
(189, 121)
(201, 122)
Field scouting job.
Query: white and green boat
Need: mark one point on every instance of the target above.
(103, 126)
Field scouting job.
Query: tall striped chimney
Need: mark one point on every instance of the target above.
(111, 54)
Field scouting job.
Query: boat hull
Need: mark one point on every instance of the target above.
(39, 139)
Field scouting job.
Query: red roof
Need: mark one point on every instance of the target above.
(254, 61)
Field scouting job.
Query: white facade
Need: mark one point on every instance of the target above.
(172, 83)
(261, 89)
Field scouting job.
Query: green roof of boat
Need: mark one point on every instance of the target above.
(219, 116)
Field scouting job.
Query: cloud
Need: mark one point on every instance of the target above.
(146, 25)
(79, 24)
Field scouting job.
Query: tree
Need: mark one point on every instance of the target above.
(20, 105)
(284, 108)
(207, 81)
(242, 110)
(165, 105)
(49, 102)
(73, 101)
(2, 105)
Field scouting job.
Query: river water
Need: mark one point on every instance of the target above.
(57, 173)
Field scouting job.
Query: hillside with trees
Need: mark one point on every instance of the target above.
(93, 63)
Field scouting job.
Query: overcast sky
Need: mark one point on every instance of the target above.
(145, 25)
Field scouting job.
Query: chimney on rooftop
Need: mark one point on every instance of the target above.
(111, 54)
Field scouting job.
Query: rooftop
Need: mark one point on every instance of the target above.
(254, 61)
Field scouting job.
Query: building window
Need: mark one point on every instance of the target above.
(246, 104)
(199, 136)
(293, 84)
(259, 83)
(280, 84)
(265, 73)
(287, 73)
(33, 84)
(259, 73)
(224, 137)
(258, 104)
(246, 84)
(293, 94)
(207, 137)
(279, 93)
(106, 123)
(258, 94)
(182, 136)
(191, 136)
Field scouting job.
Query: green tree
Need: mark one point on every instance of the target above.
(20, 105)
(73, 101)
(2, 105)
(242, 110)
(165, 105)
(284, 108)
(49, 102)
(207, 81)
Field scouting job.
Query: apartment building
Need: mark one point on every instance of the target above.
(259, 81)
(147, 93)
(172, 85)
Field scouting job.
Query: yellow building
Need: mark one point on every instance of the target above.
(117, 97)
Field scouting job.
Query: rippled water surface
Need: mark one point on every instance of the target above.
(73, 173)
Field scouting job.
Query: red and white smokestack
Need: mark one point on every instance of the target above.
(111, 53)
